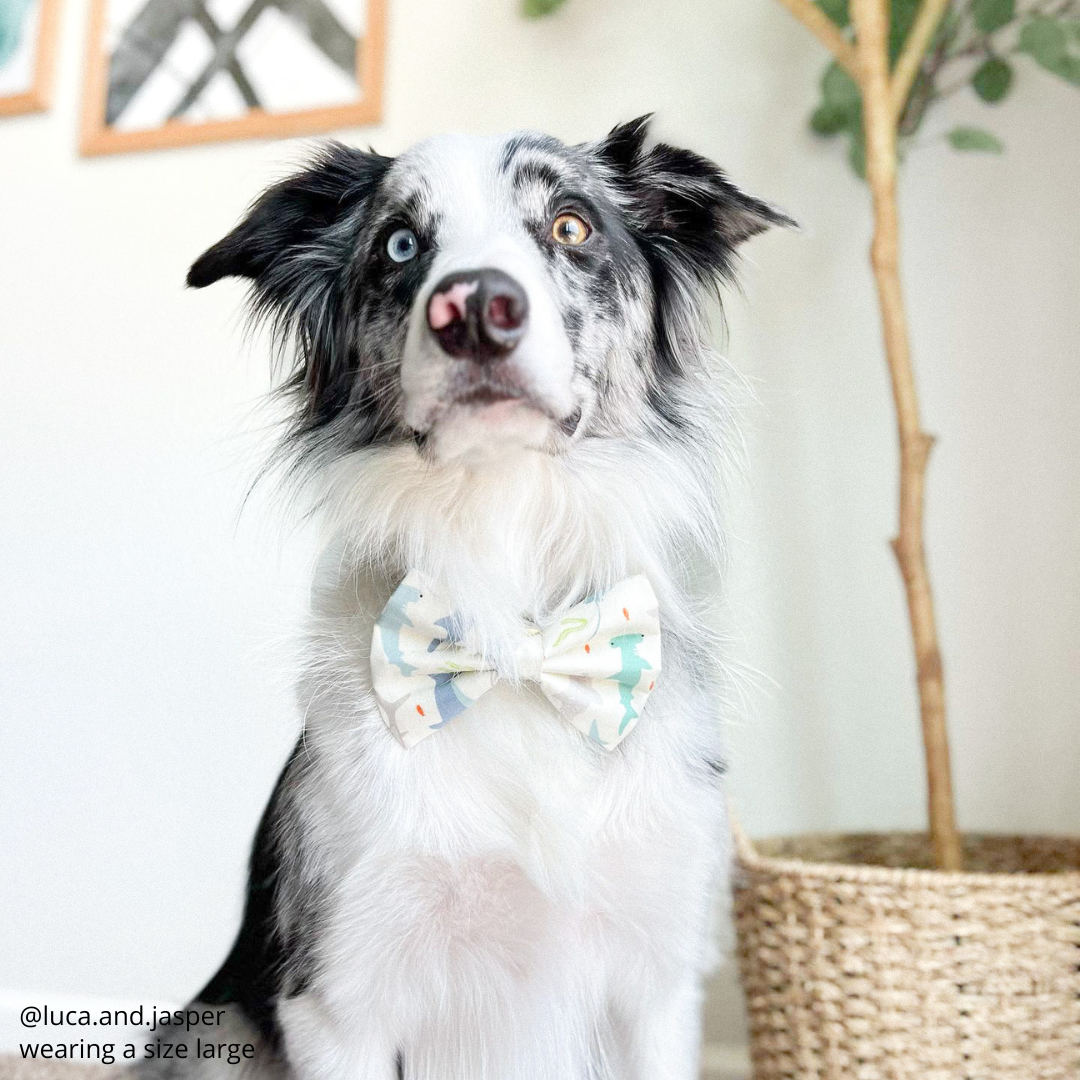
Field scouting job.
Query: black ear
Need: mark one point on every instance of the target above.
(291, 216)
(682, 203)
(296, 245)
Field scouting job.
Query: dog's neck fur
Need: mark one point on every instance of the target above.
(511, 541)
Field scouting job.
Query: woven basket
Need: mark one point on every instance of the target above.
(861, 963)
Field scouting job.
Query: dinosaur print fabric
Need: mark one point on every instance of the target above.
(596, 663)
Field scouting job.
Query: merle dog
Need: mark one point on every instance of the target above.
(503, 383)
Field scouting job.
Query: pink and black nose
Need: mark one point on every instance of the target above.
(478, 315)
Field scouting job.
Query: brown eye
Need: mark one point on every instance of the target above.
(570, 230)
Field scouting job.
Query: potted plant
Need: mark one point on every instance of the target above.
(907, 955)
(932, 956)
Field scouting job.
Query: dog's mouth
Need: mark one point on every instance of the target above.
(483, 391)
(489, 409)
(496, 398)
(482, 396)
(482, 416)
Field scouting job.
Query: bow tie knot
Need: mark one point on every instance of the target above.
(596, 663)
(530, 656)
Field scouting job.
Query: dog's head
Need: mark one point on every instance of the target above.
(478, 295)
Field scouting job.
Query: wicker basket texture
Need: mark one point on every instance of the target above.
(860, 963)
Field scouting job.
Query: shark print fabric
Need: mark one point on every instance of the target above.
(596, 663)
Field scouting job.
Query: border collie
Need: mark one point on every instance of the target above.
(504, 397)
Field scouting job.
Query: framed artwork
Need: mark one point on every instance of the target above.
(27, 50)
(174, 72)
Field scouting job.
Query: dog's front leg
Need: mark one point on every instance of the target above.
(319, 1046)
(658, 1035)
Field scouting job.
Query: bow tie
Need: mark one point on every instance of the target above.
(596, 662)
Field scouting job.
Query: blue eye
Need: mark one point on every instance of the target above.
(402, 245)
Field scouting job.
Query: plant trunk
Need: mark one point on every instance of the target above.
(871, 18)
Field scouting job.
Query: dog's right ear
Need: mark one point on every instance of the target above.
(294, 246)
(289, 218)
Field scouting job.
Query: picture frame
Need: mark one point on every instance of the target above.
(257, 70)
(28, 61)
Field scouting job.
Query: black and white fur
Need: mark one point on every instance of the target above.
(506, 900)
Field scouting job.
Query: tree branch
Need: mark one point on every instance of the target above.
(910, 58)
(826, 31)
(871, 19)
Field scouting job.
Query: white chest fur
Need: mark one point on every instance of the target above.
(506, 899)
(507, 896)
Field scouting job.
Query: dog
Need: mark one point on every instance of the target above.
(503, 394)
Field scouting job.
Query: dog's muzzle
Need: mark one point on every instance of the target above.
(478, 315)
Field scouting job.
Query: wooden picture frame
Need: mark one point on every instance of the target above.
(99, 136)
(37, 95)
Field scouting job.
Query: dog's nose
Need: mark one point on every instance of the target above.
(478, 315)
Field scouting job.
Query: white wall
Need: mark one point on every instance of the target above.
(145, 624)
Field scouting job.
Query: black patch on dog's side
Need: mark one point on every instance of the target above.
(266, 963)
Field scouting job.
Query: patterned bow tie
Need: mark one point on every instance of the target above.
(596, 663)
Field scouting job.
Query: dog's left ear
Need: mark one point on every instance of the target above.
(680, 203)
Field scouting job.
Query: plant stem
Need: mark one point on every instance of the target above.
(871, 18)
(826, 31)
(918, 41)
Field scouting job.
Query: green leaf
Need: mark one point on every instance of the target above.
(992, 80)
(828, 120)
(840, 90)
(535, 9)
(991, 15)
(841, 110)
(969, 138)
(1068, 68)
(837, 10)
(903, 15)
(1073, 25)
(857, 153)
(1044, 38)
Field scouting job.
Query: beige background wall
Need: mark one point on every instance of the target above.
(145, 625)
